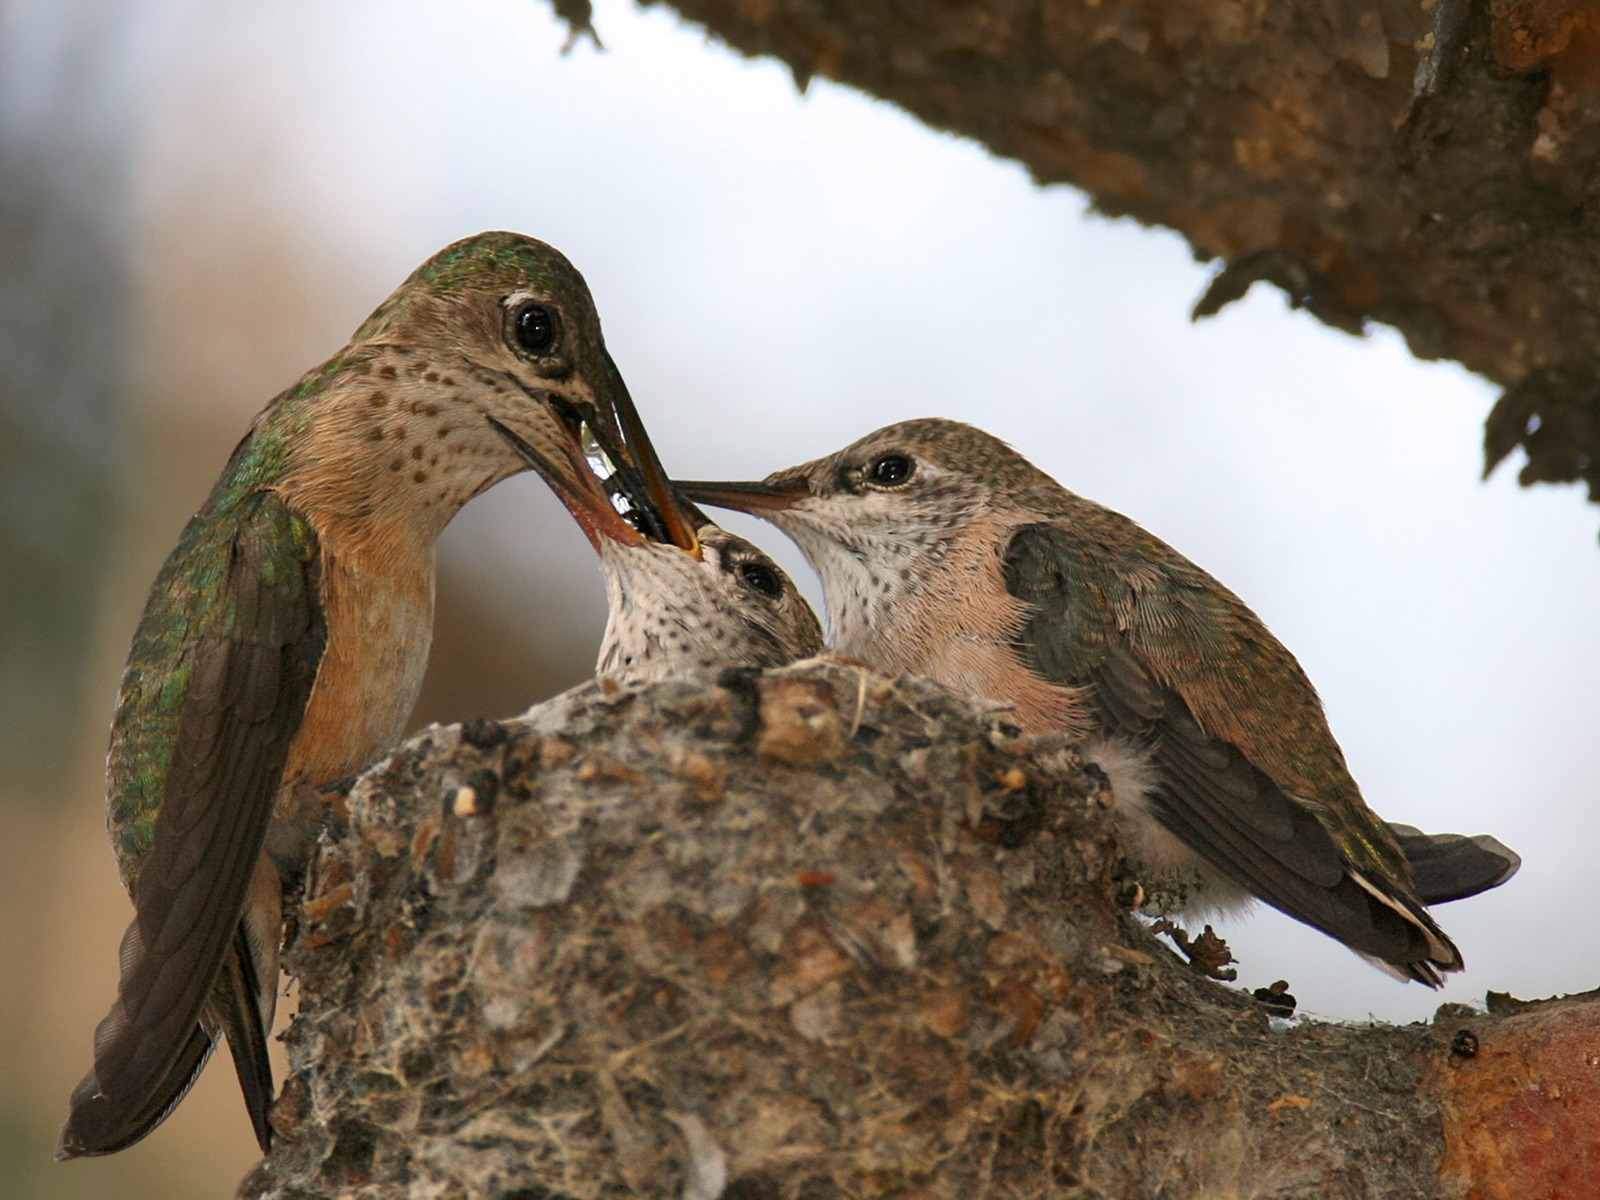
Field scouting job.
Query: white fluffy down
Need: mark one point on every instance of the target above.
(1175, 878)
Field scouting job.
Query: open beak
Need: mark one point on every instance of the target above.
(754, 497)
(678, 521)
(566, 469)
(600, 488)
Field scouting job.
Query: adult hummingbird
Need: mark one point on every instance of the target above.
(685, 597)
(285, 639)
(944, 552)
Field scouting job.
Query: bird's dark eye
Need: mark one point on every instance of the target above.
(535, 329)
(763, 578)
(891, 470)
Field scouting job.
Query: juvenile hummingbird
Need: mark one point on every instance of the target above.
(285, 639)
(685, 598)
(943, 552)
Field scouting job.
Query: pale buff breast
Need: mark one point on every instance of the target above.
(377, 598)
(959, 632)
(377, 509)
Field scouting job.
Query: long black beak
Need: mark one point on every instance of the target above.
(679, 523)
(750, 497)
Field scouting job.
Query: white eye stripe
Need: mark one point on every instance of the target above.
(516, 298)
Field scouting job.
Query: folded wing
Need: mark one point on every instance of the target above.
(1222, 802)
(224, 663)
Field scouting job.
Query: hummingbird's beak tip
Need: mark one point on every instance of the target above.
(681, 528)
(750, 497)
(677, 520)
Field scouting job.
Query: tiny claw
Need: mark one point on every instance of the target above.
(1277, 999)
(1207, 954)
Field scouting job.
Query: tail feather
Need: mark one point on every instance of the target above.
(1453, 866)
(1442, 955)
(237, 1005)
(1412, 972)
(127, 1093)
(102, 1122)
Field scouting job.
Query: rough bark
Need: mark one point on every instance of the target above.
(821, 934)
(1429, 164)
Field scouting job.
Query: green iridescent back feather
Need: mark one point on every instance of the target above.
(189, 600)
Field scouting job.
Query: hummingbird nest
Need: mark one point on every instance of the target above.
(805, 934)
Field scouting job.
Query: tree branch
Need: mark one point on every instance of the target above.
(1426, 166)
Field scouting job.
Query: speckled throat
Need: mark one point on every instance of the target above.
(403, 442)
(872, 579)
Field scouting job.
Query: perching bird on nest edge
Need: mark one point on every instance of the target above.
(285, 639)
(944, 552)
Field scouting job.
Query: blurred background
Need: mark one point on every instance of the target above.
(200, 200)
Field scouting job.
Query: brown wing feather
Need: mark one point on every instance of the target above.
(1232, 814)
(249, 682)
(1219, 802)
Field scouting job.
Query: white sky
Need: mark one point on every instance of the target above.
(779, 274)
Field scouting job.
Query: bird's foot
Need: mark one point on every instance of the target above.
(1207, 954)
(298, 819)
(1126, 888)
(1277, 999)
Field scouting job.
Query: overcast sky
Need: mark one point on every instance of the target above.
(779, 274)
